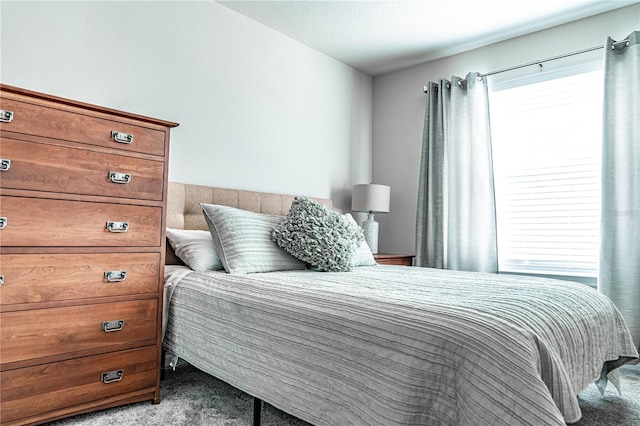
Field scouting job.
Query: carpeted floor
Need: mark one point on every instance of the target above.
(190, 398)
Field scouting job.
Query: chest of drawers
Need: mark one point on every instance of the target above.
(82, 246)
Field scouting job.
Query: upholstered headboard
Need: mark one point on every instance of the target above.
(184, 211)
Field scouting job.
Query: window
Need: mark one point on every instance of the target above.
(546, 138)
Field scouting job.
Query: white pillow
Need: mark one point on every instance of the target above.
(242, 240)
(195, 248)
(363, 255)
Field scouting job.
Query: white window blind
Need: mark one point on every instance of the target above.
(546, 140)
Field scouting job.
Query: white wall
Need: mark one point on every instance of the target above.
(257, 110)
(399, 106)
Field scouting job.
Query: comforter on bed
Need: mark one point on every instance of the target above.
(389, 345)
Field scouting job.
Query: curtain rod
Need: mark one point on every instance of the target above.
(566, 55)
(528, 64)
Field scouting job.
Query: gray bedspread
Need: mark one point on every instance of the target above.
(388, 345)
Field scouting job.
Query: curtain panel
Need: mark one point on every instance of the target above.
(456, 216)
(619, 272)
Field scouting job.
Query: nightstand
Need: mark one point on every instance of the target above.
(394, 259)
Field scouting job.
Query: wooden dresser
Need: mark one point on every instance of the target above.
(82, 246)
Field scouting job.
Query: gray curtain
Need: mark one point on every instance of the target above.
(456, 217)
(619, 276)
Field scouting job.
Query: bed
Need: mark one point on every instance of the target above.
(388, 345)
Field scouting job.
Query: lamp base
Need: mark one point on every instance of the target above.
(370, 229)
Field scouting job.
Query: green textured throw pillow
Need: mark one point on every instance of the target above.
(319, 236)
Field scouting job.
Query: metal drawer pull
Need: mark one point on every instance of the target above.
(112, 376)
(122, 137)
(117, 226)
(111, 326)
(1, 279)
(3, 222)
(6, 116)
(4, 164)
(115, 276)
(119, 177)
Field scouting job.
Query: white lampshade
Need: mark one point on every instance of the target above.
(371, 198)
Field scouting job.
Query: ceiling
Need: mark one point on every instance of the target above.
(377, 37)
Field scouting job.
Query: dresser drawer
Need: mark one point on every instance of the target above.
(63, 223)
(43, 167)
(54, 331)
(32, 278)
(51, 122)
(33, 391)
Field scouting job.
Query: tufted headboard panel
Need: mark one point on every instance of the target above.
(183, 203)
(184, 211)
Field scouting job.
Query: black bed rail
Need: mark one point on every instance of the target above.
(257, 411)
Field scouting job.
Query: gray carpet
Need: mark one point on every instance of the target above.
(190, 397)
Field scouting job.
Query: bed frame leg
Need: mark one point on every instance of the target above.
(257, 410)
(162, 360)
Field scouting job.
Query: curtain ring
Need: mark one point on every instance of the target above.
(615, 44)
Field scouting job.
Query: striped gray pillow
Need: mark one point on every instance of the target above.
(242, 240)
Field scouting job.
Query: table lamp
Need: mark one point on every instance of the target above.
(371, 198)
